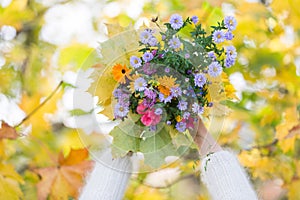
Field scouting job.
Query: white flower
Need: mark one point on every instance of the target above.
(5, 3)
(162, 178)
(10, 112)
(90, 123)
(80, 80)
(8, 33)
(78, 99)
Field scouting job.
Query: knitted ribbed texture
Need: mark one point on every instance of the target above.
(224, 177)
(108, 180)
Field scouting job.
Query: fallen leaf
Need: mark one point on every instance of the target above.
(7, 132)
(65, 179)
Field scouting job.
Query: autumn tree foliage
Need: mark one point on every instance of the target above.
(44, 155)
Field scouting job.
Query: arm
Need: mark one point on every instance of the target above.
(108, 180)
(221, 172)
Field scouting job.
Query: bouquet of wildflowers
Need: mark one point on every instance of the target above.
(164, 87)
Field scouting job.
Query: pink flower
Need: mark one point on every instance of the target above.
(150, 118)
(141, 109)
(146, 119)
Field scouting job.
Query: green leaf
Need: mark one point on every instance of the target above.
(157, 147)
(123, 142)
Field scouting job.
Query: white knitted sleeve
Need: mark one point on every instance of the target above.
(108, 180)
(224, 178)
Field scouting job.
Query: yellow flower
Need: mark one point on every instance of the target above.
(165, 84)
(119, 72)
(178, 118)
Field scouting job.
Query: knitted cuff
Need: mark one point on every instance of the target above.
(108, 180)
(224, 178)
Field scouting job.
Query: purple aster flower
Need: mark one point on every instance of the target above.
(228, 35)
(195, 19)
(176, 21)
(163, 98)
(186, 56)
(174, 43)
(147, 57)
(200, 80)
(210, 104)
(211, 54)
(176, 91)
(150, 93)
(120, 110)
(140, 84)
(231, 51)
(187, 80)
(218, 36)
(145, 36)
(169, 122)
(230, 23)
(181, 126)
(135, 61)
(148, 69)
(214, 69)
(182, 105)
(117, 93)
(229, 61)
(152, 41)
(167, 70)
(158, 111)
(186, 115)
(197, 109)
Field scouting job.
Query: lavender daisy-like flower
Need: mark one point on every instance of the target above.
(186, 115)
(182, 105)
(168, 122)
(211, 54)
(147, 57)
(214, 69)
(174, 43)
(164, 99)
(181, 126)
(197, 109)
(140, 84)
(218, 36)
(117, 93)
(176, 91)
(199, 80)
(176, 21)
(150, 93)
(158, 111)
(120, 110)
(231, 52)
(228, 35)
(148, 69)
(195, 19)
(152, 41)
(229, 61)
(230, 23)
(135, 61)
(145, 36)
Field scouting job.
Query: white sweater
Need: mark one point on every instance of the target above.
(220, 172)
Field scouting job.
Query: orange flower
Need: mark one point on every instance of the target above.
(165, 84)
(119, 72)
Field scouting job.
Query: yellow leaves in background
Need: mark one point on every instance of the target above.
(288, 130)
(65, 179)
(10, 182)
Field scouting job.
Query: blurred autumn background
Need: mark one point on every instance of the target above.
(43, 43)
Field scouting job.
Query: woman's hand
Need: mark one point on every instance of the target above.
(206, 143)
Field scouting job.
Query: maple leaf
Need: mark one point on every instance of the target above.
(65, 179)
(7, 132)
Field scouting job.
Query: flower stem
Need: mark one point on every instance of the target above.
(41, 105)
